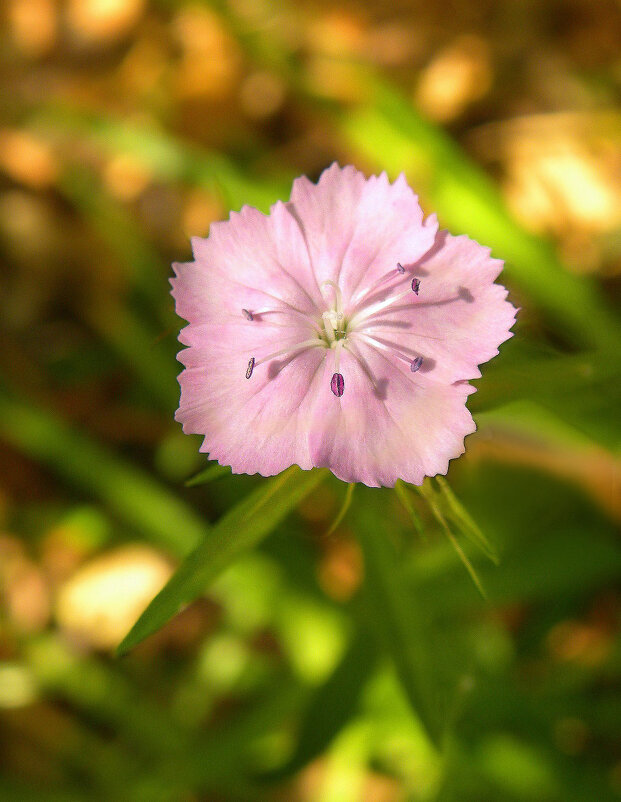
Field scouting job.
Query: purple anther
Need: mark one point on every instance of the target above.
(415, 285)
(248, 315)
(400, 268)
(415, 364)
(250, 367)
(337, 385)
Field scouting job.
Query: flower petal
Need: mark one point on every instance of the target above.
(394, 427)
(356, 228)
(251, 261)
(264, 386)
(459, 317)
(256, 425)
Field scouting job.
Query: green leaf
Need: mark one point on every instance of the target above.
(392, 612)
(209, 474)
(239, 529)
(429, 493)
(332, 705)
(390, 134)
(349, 494)
(404, 498)
(170, 159)
(133, 495)
(460, 516)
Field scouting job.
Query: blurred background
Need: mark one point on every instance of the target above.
(126, 126)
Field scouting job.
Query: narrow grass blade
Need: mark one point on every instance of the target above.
(135, 497)
(349, 494)
(210, 474)
(242, 527)
(463, 520)
(404, 498)
(429, 493)
(391, 610)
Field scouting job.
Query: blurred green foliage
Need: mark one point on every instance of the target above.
(331, 643)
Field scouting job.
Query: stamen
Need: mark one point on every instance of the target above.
(392, 274)
(337, 385)
(338, 345)
(252, 364)
(328, 325)
(413, 363)
(377, 307)
(261, 315)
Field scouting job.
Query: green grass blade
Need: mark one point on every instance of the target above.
(430, 495)
(349, 494)
(332, 705)
(390, 134)
(404, 498)
(463, 520)
(239, 529)
(134, 496)
(168, 158)
(393, 614)
(209, 474)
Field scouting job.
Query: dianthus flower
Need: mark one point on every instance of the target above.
(338, 331)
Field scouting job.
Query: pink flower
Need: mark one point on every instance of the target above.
(340, 330)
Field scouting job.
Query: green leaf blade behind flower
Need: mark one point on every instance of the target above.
(208, 475)
(169, 158)
(460, 516)
(242, 527)
(135, 497)
(349, 494)
(440, 508)
(398, 624)
(332, 705)
(390, 134)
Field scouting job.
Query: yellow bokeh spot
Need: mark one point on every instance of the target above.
(33, 25)
(200, 210)
(95, 20)
(26, 159)
(126, 177)
(457, 76)
(262, 94)
(210, 62)
(102, 600)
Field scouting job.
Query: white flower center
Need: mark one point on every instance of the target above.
(336, 331)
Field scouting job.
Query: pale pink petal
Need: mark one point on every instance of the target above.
(459, 317)
(356, 228)
(256, 292)
(251, 261)
(398, 427)
(257, 425)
